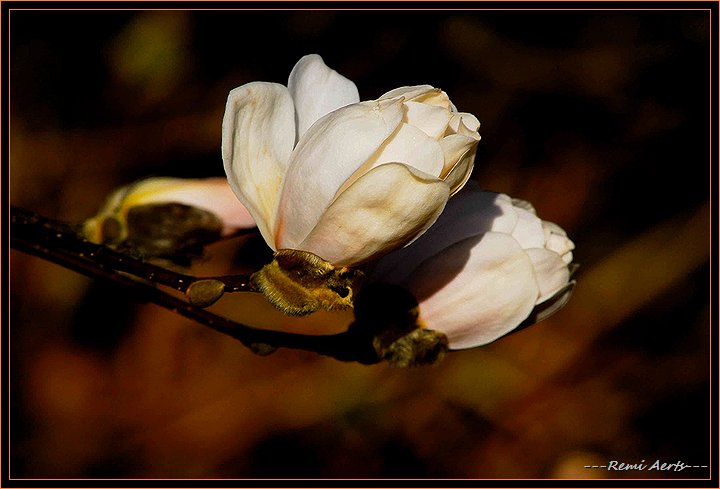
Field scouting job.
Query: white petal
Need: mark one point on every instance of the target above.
(258, 133)
(528, 230)
(326, 156)
(318, 90)
(383, 210)
(432, 120)
(524, 204)
(470, 121)
(552, 228)
(477, 290)
(408, 145)
(454, 147)
(469, 213)
(460, 174)
(435, 97)
(551, 272)
(457, 125)
(459, 153)
(408, 93)
(411, 146)
(211, 194)
(556, 240)
(426, 94)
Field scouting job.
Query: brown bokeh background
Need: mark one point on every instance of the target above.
(600, 118)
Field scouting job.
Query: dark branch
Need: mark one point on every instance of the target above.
(50, 237)
(59, 243)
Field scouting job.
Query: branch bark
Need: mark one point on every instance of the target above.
(60, 243)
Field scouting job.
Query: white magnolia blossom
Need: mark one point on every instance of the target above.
(209, 194)
(322, 172)
(483, 268)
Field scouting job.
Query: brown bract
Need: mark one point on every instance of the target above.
(300, 283)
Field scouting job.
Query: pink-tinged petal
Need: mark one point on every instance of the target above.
(551, 272)
(528, 230)
(326, 156)
(477, 290)
(211, 194)
(258, 133)
(317, 90)
(470, 213)
(383, 210)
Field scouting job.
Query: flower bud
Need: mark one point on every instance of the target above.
(344, 180)
(300, 283)
(488, 265)
(161, 215)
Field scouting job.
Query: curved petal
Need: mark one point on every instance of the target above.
(408, 93)
(383, 210)
(556, 240)
(460, 174)
(411, 146)
(470, 122)
(528, 230)
(470, 213)
(454, 147)
(432, 120)
(459, 153)
(408, 145)
(92, 227)
(551, 272)
(488, 288)
(457, 126)
(327, 155)
(211, 194)
(317, 90)
(258, 133)
(550, 306)
(435, 97)
(524, 204)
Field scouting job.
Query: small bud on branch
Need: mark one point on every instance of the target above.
(60, 243)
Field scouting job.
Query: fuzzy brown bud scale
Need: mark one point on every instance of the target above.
(300, 283)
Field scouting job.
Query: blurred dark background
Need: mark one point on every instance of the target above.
(600, 118)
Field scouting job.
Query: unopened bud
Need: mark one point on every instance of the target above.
(300, 283)
(205, 293)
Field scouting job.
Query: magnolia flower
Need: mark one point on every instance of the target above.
(165, 213)
(346, 180)
(486, 266)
